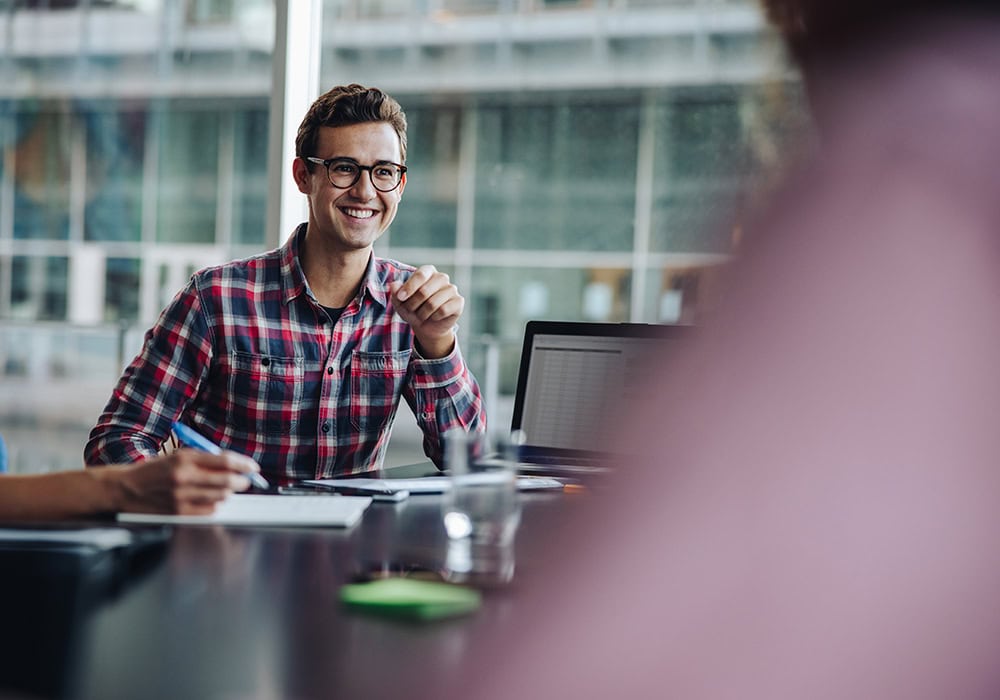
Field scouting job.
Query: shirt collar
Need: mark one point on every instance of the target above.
(293, 280)
(375, 281)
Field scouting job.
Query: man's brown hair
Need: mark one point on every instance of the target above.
(345, 105)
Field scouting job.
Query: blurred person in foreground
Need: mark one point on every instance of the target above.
(299, 357)
(818, 516)
(185, 482)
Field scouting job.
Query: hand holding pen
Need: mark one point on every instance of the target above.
(184, 482)
(189, 437)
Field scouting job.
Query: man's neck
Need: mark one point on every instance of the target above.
(333, 276)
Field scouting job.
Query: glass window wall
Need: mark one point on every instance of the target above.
(560, 167)
(427, 217)
(43, 160)
(38, 287)
(249, 174)
(503, 299)
(556, 177)
(115, 148)
(187, 143)
(121, 290)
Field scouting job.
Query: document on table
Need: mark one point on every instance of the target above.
(268, 510)
(423, 484)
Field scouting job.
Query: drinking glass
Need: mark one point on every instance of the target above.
(481, 510)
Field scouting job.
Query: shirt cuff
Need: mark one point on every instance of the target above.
(429, 374)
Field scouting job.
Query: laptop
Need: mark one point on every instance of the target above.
(572, 378)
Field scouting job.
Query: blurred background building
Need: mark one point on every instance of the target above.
(568, 159)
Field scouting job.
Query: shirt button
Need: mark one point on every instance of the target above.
(325, 427)
(329, 370)
(265, 361)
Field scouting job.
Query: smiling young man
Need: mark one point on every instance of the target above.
(298, 357)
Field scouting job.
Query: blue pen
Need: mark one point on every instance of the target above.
(199, 442)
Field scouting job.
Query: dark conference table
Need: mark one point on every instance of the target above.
(254, 613)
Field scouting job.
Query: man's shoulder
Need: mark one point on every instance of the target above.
(250, 268)
(254, 274)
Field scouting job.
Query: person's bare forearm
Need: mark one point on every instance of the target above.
(185, 481)
(58, 495)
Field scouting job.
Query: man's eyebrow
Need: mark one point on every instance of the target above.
(355, 160)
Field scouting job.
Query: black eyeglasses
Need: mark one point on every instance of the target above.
(344, 172)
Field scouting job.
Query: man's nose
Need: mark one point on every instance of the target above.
(363, 188)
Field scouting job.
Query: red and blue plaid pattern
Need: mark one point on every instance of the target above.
(246, 356)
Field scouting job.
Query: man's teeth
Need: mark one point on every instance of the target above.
(360, 213)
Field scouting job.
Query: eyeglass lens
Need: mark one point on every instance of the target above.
(344, 173)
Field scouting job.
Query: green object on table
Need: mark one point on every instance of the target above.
(411, 598)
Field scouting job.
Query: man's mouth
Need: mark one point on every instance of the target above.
(358, 213)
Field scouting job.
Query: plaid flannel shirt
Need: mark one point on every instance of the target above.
(246, 356)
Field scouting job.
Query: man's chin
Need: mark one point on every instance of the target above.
(363, 242)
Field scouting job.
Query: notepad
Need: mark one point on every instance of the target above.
(268, 510)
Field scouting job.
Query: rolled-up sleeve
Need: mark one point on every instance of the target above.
(155, 388)
(443, 395)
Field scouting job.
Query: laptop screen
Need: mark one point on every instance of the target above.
(574, 376)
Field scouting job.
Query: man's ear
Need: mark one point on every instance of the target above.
(402, 184)
(300, 171)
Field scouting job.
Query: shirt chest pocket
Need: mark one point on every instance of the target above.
(265, 392)
(376, 383)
